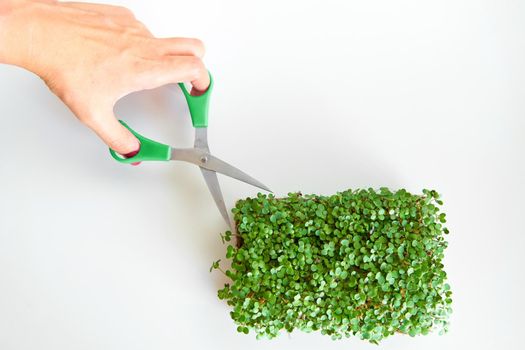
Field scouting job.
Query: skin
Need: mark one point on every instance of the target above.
(91, 55)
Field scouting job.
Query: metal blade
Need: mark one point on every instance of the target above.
(213, 185)
(220, 166)
(207, 161)
(200, 155)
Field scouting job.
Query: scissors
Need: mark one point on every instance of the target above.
(198, 155)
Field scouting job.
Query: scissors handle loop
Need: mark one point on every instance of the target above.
(149, 150)
(198, 105)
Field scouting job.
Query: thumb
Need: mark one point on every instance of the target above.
(115, 135)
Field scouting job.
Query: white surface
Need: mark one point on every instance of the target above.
(317, 96)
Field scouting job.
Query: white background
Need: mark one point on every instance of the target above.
(317, 96)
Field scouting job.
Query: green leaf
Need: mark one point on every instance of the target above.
(215, 265)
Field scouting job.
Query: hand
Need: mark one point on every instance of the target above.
(91, 55)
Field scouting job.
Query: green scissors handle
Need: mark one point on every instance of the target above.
(198, 105)
(149, 150)
(152, 150)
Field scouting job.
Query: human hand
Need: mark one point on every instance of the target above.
(91, 55)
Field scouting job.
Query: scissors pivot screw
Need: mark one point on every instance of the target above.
(204, 159)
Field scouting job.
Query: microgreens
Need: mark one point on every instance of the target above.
(360, 262)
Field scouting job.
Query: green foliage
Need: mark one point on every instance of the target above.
(360, 262)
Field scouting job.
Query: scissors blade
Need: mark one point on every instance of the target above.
(205, 160)
(215, 189)
(200, 155)
(220, 166)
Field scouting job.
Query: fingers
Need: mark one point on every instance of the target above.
(173, 60)
(180, 46)
(174, 69)
(182, 63)
(114, 134)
